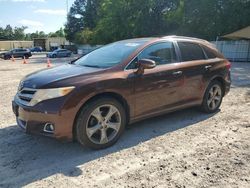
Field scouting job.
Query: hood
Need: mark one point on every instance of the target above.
(47, 76)
(6, 53)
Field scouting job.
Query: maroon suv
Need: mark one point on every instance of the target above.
(93, 98)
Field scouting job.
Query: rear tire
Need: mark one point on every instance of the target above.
(100, 123)
(213, 97)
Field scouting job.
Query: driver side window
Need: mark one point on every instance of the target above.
(162, 53)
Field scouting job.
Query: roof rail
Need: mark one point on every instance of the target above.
(188, 38)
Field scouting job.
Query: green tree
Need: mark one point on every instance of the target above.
(18, 33)
(58, 33)
(105, 21)
(37, 34)
(211, 18)
(83, 15)
(90, 16)
(75, 21)
(132, 18)
(8, 33)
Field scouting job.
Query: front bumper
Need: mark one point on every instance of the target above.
(49, 55)
(33, 121)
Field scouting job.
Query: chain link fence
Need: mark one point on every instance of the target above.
(236, 51)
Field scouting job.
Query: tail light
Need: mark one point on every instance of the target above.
(228, 65)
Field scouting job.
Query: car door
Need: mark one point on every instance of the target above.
(62, 53)
(23, 52)
(14, 53)
(195, 65)
(59, 53)
(20, 52)
(65, 53)
(160, 88)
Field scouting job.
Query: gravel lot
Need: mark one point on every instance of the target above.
(181, 149)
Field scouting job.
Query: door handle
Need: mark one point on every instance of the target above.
(208, 67)
(177, 73)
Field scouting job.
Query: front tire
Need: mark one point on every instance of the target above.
(100, 123)
(7, 57)
(213, 97)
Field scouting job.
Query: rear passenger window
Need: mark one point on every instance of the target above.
(210, 54)
(162, 53)
(191, 51)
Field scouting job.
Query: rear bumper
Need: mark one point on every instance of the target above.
(33, 121)
(227, 82)
(227, 88)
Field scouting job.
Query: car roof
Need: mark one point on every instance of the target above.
(60, 49)
(168, 37)
(188, 39)
(171, 38)
(137, 40)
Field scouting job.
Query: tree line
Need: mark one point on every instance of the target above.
(17, 33)
(104, 21)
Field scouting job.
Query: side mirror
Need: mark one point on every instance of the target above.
(145, 64)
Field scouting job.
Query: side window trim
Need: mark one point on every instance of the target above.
(175, 50)
(205, 54)
(204, 50)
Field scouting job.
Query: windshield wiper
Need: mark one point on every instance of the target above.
(93, 66)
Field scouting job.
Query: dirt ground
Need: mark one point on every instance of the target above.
(181, 149)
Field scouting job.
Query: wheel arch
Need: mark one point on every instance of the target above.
(222, 81)
(114, 95)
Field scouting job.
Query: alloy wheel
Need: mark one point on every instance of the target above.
(214, 97)
(103, 124)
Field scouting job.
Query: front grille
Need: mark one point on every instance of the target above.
(25, 95)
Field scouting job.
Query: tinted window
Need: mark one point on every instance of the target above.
(20, 50)
(162, 53)
(210, 54)
(190, 51)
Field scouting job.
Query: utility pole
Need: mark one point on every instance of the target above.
(67, 6)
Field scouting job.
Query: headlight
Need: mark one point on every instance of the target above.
(45, 94)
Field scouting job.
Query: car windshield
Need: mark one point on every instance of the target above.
(109, 55)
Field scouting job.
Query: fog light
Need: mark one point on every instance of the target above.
(49, 128)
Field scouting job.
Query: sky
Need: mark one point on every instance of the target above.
(37, 15)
